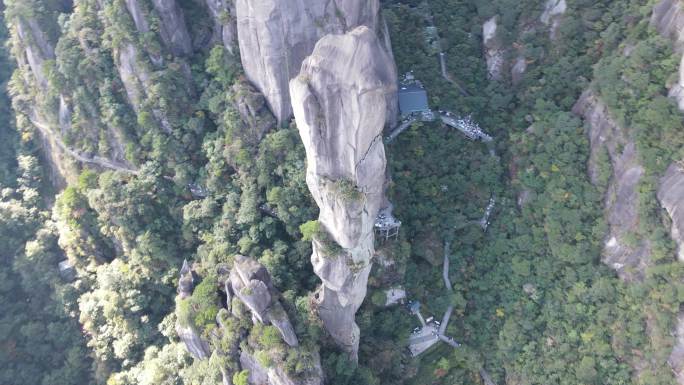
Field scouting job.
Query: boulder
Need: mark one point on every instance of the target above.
(251, 283)
(340, 101)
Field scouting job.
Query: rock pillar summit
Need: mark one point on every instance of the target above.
(275, 36)
(342, 99)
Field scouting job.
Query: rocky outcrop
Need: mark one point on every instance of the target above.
(225, 27)
(340, 101)
(671, 197)
(622, 251)
(258, 375)
(493, 50)
(251, 283)
(275, 36)
(668, 19)
(195, 344)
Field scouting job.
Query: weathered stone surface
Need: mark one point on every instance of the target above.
(671, 197)
(494, 52)
(251, 105)
(622, 251)
(340, 101)
(173, 30)
(198, 347)
(276, 35)
(37, 47)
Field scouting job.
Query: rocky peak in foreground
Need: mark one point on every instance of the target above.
(275, 36)
(340, 101)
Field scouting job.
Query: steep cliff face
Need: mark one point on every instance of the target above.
(622, 251)
(668, 20)
(37, 47)
(225, 27)
(340, 101)
(275, 36)
(172, 28)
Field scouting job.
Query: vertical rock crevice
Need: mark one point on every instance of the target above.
(341, 100)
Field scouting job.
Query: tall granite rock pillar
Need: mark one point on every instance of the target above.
(341, 100)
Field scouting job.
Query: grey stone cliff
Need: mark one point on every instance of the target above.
(276, 35)
(340, 101)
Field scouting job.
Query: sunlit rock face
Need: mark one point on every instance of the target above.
(276, 35)
(340, 101)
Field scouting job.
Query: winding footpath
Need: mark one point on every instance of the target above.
(46, 129)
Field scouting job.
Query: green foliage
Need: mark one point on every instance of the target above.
(309, 230)
(240, 378)
(204, 303)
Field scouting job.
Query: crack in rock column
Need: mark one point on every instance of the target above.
(340, 101)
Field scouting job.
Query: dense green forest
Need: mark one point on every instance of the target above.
(533, 302)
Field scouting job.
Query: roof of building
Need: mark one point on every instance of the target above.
(412, 98)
